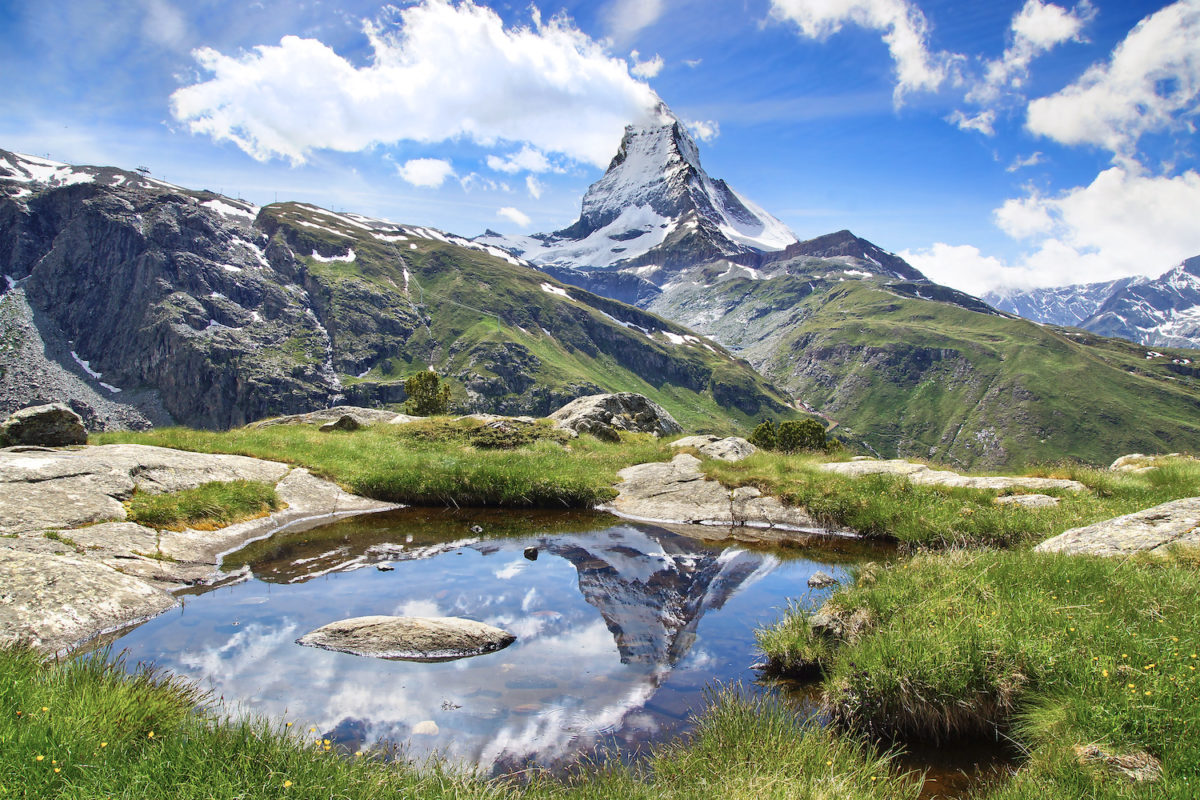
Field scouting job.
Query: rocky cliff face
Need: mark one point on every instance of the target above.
(156, 303)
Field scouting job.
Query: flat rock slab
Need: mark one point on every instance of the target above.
(678, 492)
(731, 448)
(44, 490)
(924, 476)
(1152, 530)
(1028, 500)
(55, 602)
(409, 638)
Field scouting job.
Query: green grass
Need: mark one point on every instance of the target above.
(890, 506)
(430, 462)
(208, 506)
(1056, 650)
(84, 728)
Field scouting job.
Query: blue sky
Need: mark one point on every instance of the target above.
(1014, 142)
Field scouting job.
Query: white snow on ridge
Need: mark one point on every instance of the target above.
(550, 289)
(230, 210)
(10, 281)
(858, 273)
(390, 239)
(314, 226)
(347, 258)
(87, 367)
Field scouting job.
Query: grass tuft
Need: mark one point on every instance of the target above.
(207, 507)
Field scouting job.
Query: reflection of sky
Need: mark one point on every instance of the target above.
(683, 614)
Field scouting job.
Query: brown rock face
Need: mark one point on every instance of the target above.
(409, 638)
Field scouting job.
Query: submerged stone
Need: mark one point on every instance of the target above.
(409, 638)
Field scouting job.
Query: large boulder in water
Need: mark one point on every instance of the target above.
(603, 415)
(409, 638)
(53, 425)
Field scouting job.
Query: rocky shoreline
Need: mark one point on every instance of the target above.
(72, 568)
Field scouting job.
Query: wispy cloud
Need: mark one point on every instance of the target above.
(514, 216)
(646, 69)
(627, 18)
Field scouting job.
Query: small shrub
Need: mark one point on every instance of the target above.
(764, 436)
(210, 505)
(802, 434)
(427, 395)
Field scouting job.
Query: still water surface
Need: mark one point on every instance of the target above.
(621, 627)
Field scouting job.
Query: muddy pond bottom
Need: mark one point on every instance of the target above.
(621, 627)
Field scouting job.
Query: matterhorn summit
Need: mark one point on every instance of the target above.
(655, 205)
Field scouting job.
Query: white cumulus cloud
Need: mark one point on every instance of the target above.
(904, 27)
(1036, 29)
(426, 172)
(548, 85)
(703, 129)
(514, 216)
(1124, 223)
(646, 69)
(527, 159)
(1150, 83)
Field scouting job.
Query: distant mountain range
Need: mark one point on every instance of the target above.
(1158, 312)
(146, 303)
(893, 361)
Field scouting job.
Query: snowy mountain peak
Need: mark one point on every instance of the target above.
(655, 204)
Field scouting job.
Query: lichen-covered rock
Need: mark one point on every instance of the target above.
(345, 422)
(409, 638)
(603, 415)
(821, 580)
(363, 416)
(1152, 530)
(731, 448)
(51, 425)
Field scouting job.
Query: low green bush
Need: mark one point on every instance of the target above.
(210, 505)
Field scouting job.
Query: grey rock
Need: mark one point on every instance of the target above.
(820, 580)
(409, 638)
(385, 567)
(51, 425)
(362, 416)
(531, 553)
(1138, 462)
(1028, 500)
(1153, 530)
(922, 475)
(603, 415)
(345, 422)
(731, 448)
(55, 602)
(677, 491)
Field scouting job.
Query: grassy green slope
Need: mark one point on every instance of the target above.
(511, 339)
(922, 378)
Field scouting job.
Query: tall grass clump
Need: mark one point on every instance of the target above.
(208, 506)
(1087, 663)
(890, 506)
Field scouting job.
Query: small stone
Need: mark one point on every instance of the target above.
(385, 567)
(820, 580)
(426, 728)
(1028, 500)
(531, 553)
(409, 638)
(52, 425)
(476, 529)
(342, 423)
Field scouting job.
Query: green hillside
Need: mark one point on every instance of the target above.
(510, 339)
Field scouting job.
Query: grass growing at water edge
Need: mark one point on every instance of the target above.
(83, 728)
(889, 505)
(208, 506)
(1059, 651)
(432, 462)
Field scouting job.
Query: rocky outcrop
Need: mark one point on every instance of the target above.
(71, 567)
(922, 475)
(731, 448)
(363, 416)
(1153, 530)
(602, 415)
(52, 425)
(409, 638)
(678, 492)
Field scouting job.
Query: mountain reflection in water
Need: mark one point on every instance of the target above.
(619, 629)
